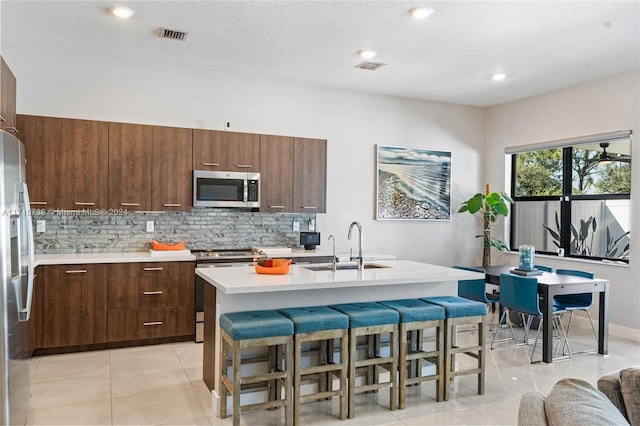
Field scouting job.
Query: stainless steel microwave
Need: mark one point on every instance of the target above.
(226, 189)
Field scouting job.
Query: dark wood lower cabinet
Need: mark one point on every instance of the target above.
(75, 305)
(136, 324)
(94, 306)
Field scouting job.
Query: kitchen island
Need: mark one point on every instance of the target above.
(242, 289)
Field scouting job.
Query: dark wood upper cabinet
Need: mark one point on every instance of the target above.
(40, 136)
(84, 170)
(276, 174)
(7, 98)
(171, 169)
(309, 175)
(130, 166)
(243, 152)
(210, 150)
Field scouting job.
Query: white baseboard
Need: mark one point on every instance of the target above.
(614, 329)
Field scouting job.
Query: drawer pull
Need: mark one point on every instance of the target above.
(211, 164)
(152, 323)
(153, 269)
(309, 207)
(2, 119)
(130, 204)
(276, 207)
(172, 204)
(76, 271)
(78, 203)
(13, 130)
(39, 203)
(244, 166)
(152, 292)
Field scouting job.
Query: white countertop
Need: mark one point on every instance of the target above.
(244, 279)
(119, 257)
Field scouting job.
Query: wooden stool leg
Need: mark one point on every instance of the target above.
(222, 389)
(449, 359)
(352, 374)
(481, 356)
(440, 368)
(344, 360)
(394, 368)
(289, 366)
(402, 356)
(297, 368)
(237, 382)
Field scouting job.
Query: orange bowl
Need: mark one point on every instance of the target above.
(278, 266)
(157, 245)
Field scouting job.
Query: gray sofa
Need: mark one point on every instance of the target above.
(577, 402)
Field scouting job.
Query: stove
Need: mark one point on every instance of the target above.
(217, 258)
(207, 256)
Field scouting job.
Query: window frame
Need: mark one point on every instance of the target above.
(566, 198)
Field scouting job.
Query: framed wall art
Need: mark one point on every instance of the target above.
(413, 184)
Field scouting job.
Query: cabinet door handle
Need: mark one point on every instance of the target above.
(39, 203)
(244, 166)
(146, 324)
(130, 204)
(76, 271)
(309, 207)
(13, 130)
(2, 119)
(77, 203)
(276, 207)
(211, 164)
(152, 292)
(172, 204)
(153, 269)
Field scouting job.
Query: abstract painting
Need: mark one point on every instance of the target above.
(413, 184)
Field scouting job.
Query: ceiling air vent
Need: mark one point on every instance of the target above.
(172, 34)
(371, 66)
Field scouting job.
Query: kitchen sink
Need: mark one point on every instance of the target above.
(341, 267)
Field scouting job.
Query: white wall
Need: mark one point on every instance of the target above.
(597, 107)
(92, 87)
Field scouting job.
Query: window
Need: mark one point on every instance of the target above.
(572, 197)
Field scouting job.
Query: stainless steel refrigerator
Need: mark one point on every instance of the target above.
(17, 250)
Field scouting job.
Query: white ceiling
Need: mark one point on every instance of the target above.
(541, 45)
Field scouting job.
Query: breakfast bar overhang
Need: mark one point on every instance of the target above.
(236, 289)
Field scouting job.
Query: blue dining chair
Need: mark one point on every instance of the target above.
(576, 302)
(477, 290)
(520, 294)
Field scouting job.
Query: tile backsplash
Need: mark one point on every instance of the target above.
(95, 231)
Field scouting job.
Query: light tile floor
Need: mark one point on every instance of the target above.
(163, 384)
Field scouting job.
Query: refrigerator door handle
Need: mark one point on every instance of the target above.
(24, 312)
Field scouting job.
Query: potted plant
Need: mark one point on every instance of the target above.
(488, 208)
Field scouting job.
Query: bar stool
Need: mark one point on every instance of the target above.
(415, 317)
(371, 320)
(461, 311)
(319, 324)
(256, 329)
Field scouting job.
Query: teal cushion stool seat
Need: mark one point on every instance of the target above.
(461, 311)
(416, 316)
(373, 321)
(316, 329)
(271, 331)
(255, 324)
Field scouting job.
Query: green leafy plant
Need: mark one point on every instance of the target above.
(582, 239)
(488, 208)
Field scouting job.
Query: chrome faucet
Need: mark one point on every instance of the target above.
(359, 258)
(333, 258)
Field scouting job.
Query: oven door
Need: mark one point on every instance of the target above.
(200, 283)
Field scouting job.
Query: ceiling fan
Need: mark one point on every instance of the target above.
(606, 157)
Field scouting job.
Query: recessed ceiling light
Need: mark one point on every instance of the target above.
(421, 12)
(122, 12)
(367, 53)
(498, 76)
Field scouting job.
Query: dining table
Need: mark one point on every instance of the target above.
(550, 285)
